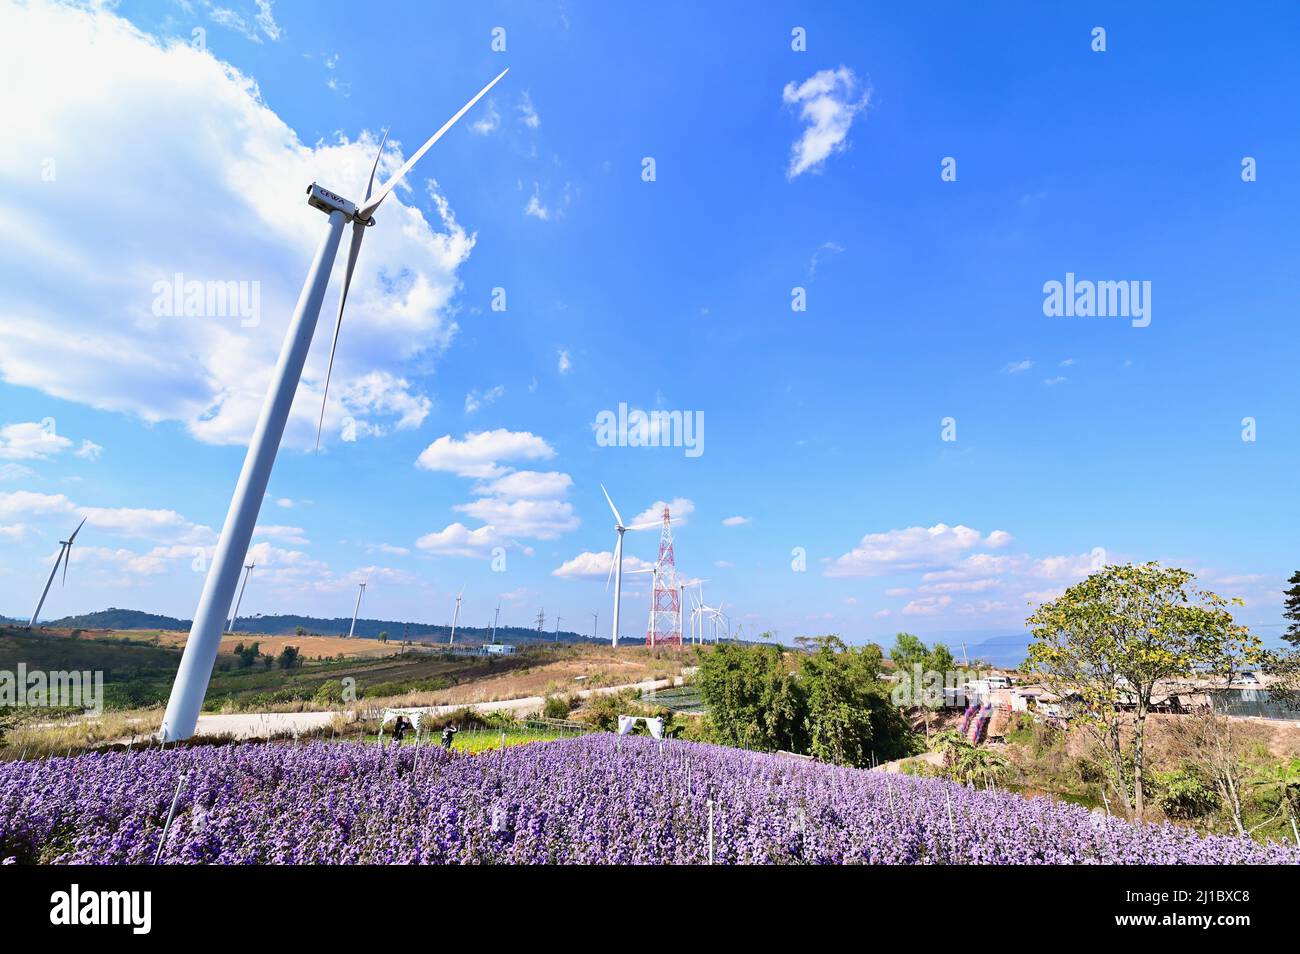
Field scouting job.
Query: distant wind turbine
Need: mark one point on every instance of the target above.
(616, 564)
(64, 557)
(360, 593)
(205, 634)
(455, 618)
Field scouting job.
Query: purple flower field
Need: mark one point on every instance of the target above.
(588, 800)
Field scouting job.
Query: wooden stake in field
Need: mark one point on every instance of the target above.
(710, 831)
(952, 826)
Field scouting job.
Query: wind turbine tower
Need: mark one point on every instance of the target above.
(64, 557)
(201, 647)
(360, 593)
(665, 599)
(455, 618)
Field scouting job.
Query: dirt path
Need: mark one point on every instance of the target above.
(262, 725)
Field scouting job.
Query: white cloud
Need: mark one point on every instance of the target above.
(929, 606)
(827, 102)
(481, 453)
(679, 508)
(1052, 382)
(263, 23)
(595, 566)
(389, 549)
(291, 535)
(285, 502)
(223, 179)
(911, 549)
(724, 564)
(458, 540)
(1018, 367)
(490, 121)
(89, 450)
(162, 525)
(527, 112)
(735, 521)
(31, 440)
(534, 207)
(15, 472)
(474, 400)
(540, 519)
(528, 483)
(562, 363)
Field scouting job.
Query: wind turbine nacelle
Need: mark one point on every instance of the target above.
(328, 202)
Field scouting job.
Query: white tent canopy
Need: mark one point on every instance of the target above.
(627, 723)
(413, 716)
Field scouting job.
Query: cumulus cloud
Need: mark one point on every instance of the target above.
(458, 540)
(827, 102)
(911, 549)
(223, 182)
(31, 440)
(511, 504)
(481, 453)
(529, 483)
(679, 508)
(734, 521)
(595, 566)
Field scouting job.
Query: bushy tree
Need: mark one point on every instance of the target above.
(1108, 640)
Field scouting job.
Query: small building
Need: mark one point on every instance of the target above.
(498, 649)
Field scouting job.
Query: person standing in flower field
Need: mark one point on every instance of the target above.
(447, 734)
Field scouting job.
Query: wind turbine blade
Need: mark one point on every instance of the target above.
(370, 184)
(618, 518)
(77, 531)
(368, 209)
(645, 526)
(65, 554)
(610, 575)
(358, 233)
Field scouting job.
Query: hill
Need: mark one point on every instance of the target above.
(288, 624)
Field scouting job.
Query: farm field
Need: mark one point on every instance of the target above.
(596, 799)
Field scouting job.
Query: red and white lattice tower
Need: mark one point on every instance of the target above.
(665, 599)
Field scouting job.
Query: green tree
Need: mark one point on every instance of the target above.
(908, 651)
(839, 705)
(1108, 640)
(1292, 611)
(289, 658)
(301, 631)
(752, 701)
(383, 636)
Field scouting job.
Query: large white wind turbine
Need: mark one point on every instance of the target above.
(205, 634)
(616, 564)
(64, 557)
(360, 593)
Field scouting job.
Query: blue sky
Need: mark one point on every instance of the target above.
(1077, 439)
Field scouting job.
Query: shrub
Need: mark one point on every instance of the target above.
(1184, 794)
(557, 707)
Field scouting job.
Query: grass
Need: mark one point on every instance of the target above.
(473, 741)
